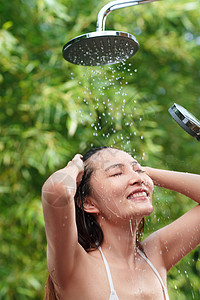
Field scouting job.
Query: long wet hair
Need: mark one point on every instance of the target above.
(90, 234)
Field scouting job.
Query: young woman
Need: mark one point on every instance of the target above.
(94, 210)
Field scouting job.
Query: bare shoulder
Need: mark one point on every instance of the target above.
(151, 245)
(88, 270)
(153, 251)
(62, 278)
(172, 242)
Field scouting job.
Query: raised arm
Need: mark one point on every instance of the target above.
(184, 183)
(183, 235)
(59, 214)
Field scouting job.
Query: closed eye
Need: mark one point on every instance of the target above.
(117, 174)
(140, 171)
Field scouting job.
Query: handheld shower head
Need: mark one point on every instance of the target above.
(103, 47)
(186, 120)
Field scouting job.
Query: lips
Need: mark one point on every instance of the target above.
(139, 193)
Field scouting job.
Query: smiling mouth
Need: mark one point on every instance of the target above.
(138, 195)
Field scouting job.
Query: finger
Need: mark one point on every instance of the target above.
(76, 162)
(77, 156)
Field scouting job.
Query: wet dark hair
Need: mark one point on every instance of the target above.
(90, 234)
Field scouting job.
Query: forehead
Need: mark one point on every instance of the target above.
(107, 157)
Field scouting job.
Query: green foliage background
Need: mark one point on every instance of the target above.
(51, 109)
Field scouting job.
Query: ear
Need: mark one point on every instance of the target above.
(90, 207)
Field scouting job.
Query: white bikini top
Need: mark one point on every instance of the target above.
(113, 294)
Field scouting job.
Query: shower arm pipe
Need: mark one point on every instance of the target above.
(113, 5)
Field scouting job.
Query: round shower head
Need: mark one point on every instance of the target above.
(100, 48)
(186, 120)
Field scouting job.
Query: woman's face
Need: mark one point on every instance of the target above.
(119, 186)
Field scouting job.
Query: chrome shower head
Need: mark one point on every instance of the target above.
(100, 48)
(103, 47)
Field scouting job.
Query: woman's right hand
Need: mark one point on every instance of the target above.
(76, 166)
(61, 186)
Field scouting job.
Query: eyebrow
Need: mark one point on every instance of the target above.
(120, 165)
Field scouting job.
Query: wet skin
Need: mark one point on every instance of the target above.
(120, 189)
(120, 193)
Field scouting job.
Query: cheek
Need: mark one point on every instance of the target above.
(99, 188)
(107, 189)
(149, 183)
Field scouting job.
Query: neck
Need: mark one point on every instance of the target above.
(120, 239)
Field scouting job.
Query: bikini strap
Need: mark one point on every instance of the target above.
(113, 294)
(156, 272)
(107, 270)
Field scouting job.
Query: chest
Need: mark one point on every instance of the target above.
(130, 283)
(136, 283)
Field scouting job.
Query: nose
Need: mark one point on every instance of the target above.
(136, 178)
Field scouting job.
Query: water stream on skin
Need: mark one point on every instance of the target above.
(115, 110)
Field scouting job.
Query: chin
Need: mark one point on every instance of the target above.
(143, 211)
(149, 211)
